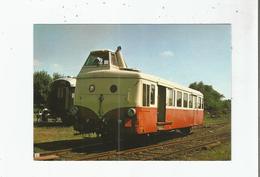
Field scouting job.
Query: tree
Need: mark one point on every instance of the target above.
(41, 85)
(227, 106)
(214, 102)
(56, 76)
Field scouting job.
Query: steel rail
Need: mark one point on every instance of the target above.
(140, 149)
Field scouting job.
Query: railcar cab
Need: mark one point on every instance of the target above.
(104, 60)
(105, 87)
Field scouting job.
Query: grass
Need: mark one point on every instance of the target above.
(208, 120)
(221, 152)
(48, 134)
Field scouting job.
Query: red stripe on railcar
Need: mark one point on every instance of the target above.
(146, 120)
(183, 118)
(175, 118)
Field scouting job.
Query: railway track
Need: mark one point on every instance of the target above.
(183, 149)
(158, 151)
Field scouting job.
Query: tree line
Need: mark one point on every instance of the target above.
(214, 103)
(42, 86)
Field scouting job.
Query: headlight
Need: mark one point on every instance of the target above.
(131, 112)
(113, 88)
(91, 88)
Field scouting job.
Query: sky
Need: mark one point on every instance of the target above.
(180, 53)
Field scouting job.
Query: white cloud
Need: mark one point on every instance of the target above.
(36, 63)
(167, 53)
(56, 67)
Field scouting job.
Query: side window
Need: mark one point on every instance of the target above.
(194, 101)
(58, 92)
(114, 59)
(61, 94)
(105, 62)
(169, 101)
(179, 99)
(199, 103)
(152, 94)
(190, 101)
(185, 100)
(146, 97)
(202, 103)
(173, 99)
(72, 93)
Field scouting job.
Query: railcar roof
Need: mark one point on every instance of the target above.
(167, 83)
(71, 80)
(104, 50)
(135, 74)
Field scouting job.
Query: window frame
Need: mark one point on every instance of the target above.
(144, 95)
(147, 95)
(187, 103)
(200, 102)
(190, 100)
(174, 97)
(60, 92)
(194, 98)
(177, 98)
(94, 54)
(152, 100)
(169, 95)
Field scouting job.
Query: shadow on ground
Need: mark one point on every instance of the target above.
(64, 144)
(125, 144)
(50, 124)
(130, 143)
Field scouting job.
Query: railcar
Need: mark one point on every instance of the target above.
(61, 98)
(117, 101)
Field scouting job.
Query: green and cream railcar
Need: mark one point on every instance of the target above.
(111, 98)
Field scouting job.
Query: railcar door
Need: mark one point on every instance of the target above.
(60, 98)
(66, 98)
(161, 104)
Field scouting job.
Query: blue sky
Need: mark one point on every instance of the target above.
(179, 53)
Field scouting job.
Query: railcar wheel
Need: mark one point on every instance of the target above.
(44, 117)
(110, 132)
(186, 131)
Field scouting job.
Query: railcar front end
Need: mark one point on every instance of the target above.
(106, 99)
